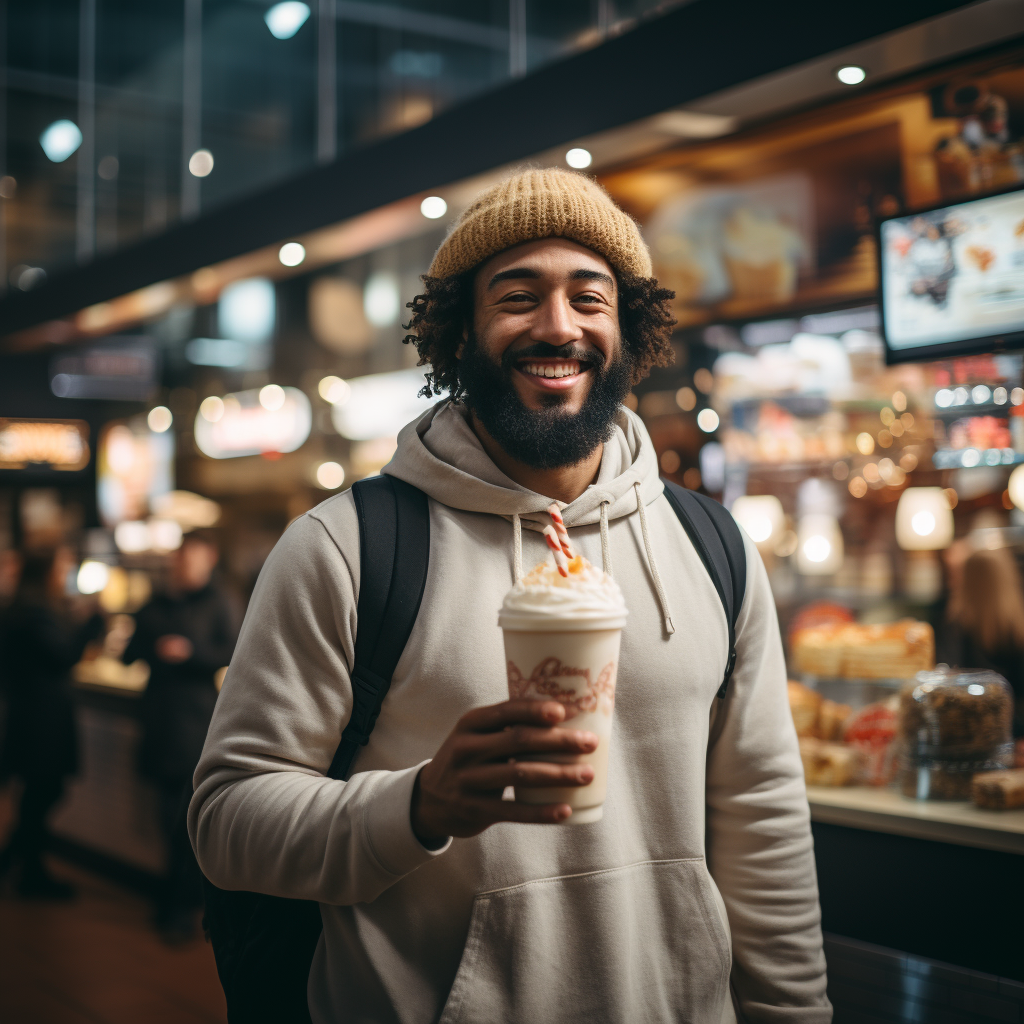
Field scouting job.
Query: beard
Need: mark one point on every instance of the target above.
(552, 436)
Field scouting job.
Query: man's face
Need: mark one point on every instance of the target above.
(543, 366)
(548, 310)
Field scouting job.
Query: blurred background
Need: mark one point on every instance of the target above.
(212, 216)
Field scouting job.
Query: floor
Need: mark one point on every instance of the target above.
(98, 961)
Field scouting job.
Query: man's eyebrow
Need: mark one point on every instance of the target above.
(592, 275)
(513, 274)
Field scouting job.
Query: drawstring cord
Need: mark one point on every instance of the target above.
(656, 576)
(517, 546)
(606, 551)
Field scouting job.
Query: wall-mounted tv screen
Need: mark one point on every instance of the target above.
(952, 279)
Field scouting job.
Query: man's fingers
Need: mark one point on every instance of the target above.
(493, 811)
(512, 712)
(495, 777)
(521, 740)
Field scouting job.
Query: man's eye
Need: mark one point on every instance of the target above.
(519, 297)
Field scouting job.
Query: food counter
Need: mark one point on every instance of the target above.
(882, 810)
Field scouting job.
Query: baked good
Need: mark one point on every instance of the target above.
(832, 718)
(829, 764)
(999, 791)
(956, 715)
(813, 716)
(804, 704)
(898, 650)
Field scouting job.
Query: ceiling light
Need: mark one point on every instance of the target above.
(200, 163)
(760, 515)
(159, 419)
(272, 397)
(433, 207)
(578, 158)
(60, 140)
(285, 19)
(334, 390)
(330, 476)
(92, 577)
(851, 74)
(924, 521)
(291, 254)
(707, 420)
(212, 409)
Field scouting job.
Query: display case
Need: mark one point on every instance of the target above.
(953, 724)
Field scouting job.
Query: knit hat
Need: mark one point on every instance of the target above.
(546, 203)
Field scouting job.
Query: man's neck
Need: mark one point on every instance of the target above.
(564, 483)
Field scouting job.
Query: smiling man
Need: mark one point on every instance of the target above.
(695, 895)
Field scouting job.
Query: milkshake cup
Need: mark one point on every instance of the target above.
(562, 624)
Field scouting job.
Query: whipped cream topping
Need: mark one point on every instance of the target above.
(587, 592)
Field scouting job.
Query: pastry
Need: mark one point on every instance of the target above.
(829, 764)
(998, 791)
(898, 650)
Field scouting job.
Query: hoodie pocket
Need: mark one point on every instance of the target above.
(641, 942)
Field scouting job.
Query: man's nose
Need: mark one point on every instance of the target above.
(555, 322)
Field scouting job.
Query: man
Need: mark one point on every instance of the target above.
(440, 900)
(185, 635)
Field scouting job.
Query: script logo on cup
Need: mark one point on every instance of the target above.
(543, 683)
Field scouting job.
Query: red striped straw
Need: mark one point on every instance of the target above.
(563, 534)
(560, 560)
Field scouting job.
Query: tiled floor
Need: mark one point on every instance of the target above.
(872, 985)
(98, 961)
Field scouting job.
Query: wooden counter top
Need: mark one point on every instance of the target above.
(883, 810)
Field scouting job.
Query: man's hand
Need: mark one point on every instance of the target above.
(173, 649)
(459, 792)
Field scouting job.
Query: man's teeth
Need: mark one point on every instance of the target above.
(569, 369)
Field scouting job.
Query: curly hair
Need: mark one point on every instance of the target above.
(441, 314)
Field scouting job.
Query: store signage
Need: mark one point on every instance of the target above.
(56, 444)
(271, 419)
(125, 370)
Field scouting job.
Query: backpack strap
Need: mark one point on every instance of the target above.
(394, 551)
(717, 539)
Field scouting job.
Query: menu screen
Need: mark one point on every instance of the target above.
(953, 278)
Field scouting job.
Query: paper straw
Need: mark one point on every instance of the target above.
(563, 534)
(560, 560)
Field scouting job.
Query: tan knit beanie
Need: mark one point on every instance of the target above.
(547, 203)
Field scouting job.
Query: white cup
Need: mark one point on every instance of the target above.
(573, 661)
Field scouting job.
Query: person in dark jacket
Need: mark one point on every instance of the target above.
(185, 635)
(41, 642)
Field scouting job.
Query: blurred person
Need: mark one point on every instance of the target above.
(439, 899)
(185, 635)
(43, 636)
(985, 621)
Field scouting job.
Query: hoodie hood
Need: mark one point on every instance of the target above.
(441, 455)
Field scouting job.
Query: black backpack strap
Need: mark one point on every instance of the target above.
(717, 538)
(394, 550)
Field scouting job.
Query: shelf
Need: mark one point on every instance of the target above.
(959, 458)
(884, 810)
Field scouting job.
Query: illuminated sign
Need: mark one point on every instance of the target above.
(269, 419)
(58, 444)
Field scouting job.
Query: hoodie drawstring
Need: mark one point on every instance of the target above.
(517, 547)
(606, 550)
(655, 575)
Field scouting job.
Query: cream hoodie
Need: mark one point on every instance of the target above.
(701, 869)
